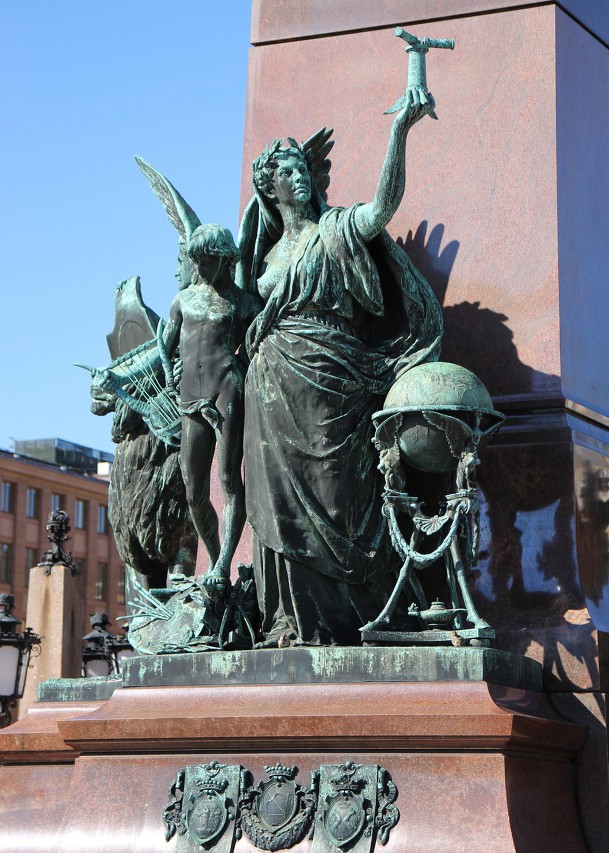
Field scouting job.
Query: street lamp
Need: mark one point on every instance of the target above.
(104, 652)
(122, 650)
(58, 527)
(15, 651)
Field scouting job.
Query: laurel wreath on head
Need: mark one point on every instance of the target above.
(314, 151)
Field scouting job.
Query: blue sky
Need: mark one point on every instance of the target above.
(84, 88)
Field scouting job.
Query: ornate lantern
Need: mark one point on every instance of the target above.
(58, 527)
(104, 652)
(121, 650)
(15, 651)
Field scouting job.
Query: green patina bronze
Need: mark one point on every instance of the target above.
(147, 505)
(417, 72)
(186, 382)
(344, 806)
(429, 444)
(95, 688)
(345, 313)
(191, 616)
(433, 421)
(292, 351)
(331, 665)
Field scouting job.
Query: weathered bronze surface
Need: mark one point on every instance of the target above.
(506, 763)
(417, 72)
(345, 314)
(355, 808)
(434, 419)
(95, 688)
(282, 366)
(147, 506)
(188, 617)
(347, 806)
(279, 812)
(203, 807)
(207, 324)
(330, 665)
(280, 351)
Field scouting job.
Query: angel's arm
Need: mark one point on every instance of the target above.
(370, 219)
(171, 334)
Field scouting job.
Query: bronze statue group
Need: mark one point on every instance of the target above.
(277, 351)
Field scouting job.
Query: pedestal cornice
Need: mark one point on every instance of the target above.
(276, 20)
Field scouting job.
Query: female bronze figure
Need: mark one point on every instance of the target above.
(345, 313)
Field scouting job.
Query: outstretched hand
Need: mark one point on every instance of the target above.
(106, 380)
(418, 103)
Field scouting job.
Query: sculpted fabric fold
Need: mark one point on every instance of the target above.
(346, 318)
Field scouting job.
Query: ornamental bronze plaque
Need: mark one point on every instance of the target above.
(203, 807)
(355, 808)
(346, 807)
(278, 813)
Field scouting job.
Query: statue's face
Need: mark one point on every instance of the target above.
(183, 271)
(291, 181)
(209, 267)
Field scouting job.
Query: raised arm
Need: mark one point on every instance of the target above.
(370, 219)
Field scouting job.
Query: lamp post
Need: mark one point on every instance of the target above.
(122, 650)
(58, 527)
(15, 651)
(104, 652)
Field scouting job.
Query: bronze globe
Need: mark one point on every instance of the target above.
(433, 409)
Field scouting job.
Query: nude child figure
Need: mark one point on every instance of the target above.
(207, 322)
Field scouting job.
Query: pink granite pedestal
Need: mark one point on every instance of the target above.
(478, 767)
(505, 212)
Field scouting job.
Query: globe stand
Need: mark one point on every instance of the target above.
(415, 429)
(460, 624)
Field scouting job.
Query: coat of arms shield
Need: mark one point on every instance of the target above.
(206, 816)
(345, 818)
(278, 803)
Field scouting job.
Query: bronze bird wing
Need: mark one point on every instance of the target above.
(180, 213)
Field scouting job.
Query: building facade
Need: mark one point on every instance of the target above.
(29, 490)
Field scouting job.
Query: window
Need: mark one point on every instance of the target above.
(80, 564)
(31, 503)
(31, 559)
(6, 562)
(120, 593)
(102, 519)
(80, 514)
(100, 583)
(7, 495)
(56, 502)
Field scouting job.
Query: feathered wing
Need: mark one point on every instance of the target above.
(316, 150)
(180, 213)
(457, 432)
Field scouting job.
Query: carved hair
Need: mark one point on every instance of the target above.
(262, 225)
(314, 153)
(268, 161)
(212, 239)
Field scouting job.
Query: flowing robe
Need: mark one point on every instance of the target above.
(346, 319)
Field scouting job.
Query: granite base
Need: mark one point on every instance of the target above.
(478, 765)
